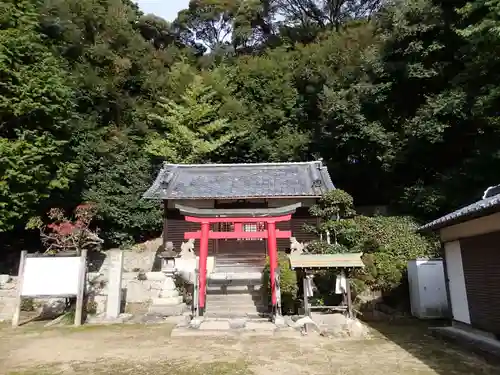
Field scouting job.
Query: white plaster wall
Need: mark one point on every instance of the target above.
(456, 282)
(482, 225)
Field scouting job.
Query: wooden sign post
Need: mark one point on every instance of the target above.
(51, 275)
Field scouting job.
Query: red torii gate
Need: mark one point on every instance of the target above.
(240, 216)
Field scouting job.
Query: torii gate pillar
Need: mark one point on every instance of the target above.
(270, 216)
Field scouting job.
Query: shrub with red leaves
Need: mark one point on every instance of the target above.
(71, 234)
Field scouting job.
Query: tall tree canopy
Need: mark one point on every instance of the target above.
(400, 98)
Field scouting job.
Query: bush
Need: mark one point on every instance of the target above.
(91, 307)
(288, 284)
(185, 290)
(387, 244)
(28, 304)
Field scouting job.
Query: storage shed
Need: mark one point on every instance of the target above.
(427, 289)
(470, 240)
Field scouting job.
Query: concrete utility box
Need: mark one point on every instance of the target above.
(427, 288)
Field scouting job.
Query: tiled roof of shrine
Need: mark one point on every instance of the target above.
(240, 181)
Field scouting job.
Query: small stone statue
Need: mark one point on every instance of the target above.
(187, 250)
(296, 247)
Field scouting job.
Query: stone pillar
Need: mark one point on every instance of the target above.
(114, 302)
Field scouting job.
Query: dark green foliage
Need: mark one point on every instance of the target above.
(116, 186)
(35, 112)
(288, 284)
(399, 98)
(387, 243)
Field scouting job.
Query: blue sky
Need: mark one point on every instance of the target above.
(166, 9)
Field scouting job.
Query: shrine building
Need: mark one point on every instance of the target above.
(238, 213)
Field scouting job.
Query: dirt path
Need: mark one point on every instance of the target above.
(150, 350)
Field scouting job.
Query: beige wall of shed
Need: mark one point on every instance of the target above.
(482, 225)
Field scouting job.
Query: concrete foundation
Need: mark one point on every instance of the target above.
(476, 342)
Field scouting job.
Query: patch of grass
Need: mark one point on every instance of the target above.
(37, 370)
(159, 329)
(125, 368)
(442, 357)
(163, 329)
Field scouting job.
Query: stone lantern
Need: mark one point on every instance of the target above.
(169, 302)
(168, 257)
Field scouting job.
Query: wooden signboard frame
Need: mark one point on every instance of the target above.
(80, 293)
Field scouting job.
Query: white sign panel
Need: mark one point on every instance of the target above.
(51, 276)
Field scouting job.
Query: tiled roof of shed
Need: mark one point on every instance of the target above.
(229, 181)
(477, 209)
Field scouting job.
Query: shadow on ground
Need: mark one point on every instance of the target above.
(443, 357)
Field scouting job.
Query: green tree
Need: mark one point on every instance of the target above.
(387, 243)
(117, 179)
(119, 62)
(35, 118)
(191, 129)
(32, 167)
(209, 21)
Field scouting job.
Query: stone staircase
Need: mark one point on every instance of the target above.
(234, 297)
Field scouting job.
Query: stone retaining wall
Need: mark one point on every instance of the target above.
(142, 257)
(134, 290)
(141, 260)
(8, 293)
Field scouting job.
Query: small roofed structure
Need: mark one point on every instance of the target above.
(310, 263)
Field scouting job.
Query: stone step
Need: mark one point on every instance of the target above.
(233, 289)
(247, 308)
(224, 315)
(234, 302)
(226, 306)
(256, 318)
(235, 283)
(231, 314)
(237, 297)
(168, 310)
